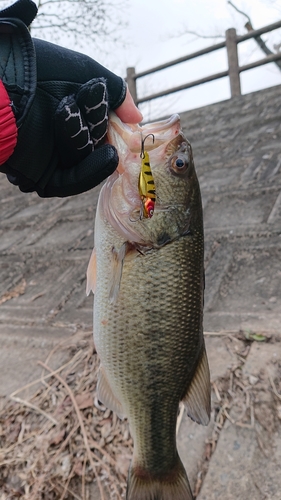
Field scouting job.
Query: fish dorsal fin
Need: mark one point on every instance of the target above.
(198, 397)
(106, 396)
(92, 274)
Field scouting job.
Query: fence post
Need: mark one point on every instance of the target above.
(131, 81)
(233, 64)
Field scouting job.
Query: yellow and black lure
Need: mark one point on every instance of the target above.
(146, 184)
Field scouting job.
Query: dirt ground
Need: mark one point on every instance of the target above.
(57, 441)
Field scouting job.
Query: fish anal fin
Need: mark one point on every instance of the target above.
(197, 399)
(106, 396)
(92, 274)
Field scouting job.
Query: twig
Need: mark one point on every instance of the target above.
(240, 11)
(228, 416)
(51, 462)
(65, 490)
(44, 475)
(262, 493)
(18, 290)
(21, 434)
(35, 408)
(258, 38)
(100, 487)
(78, 412)
(55, 487)
(221, 332)
(79, 416)
(70, 362)
(10, 448)
(261, 445)
(83, 479)
(38, 380)
(217, 392)
(86, 441)
(94, 444)
(244, 426)
(274, 386)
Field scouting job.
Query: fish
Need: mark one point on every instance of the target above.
(147, 274)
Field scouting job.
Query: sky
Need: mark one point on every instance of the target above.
(156, 33)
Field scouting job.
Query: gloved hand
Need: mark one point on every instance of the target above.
(60, 110)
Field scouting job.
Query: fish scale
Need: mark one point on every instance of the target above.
(148, 331)
(154, 330)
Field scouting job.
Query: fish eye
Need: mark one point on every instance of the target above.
(179, 163)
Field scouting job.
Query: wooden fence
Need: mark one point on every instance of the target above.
(233, 72)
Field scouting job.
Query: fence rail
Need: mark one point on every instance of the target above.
(233, 72)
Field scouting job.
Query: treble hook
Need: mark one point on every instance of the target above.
(142, 144)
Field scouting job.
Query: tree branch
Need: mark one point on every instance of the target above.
(259, 40)
(84, 21)
(240, 11)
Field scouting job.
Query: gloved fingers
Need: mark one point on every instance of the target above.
(73, 139)
(58, 64)
(25, 10)
(92, 99)
(81, 122)
(87, 174)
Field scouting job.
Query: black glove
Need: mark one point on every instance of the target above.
(61, 108)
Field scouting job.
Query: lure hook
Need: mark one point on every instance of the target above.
(142, 144)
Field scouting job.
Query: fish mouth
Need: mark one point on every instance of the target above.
(121, 200)
(127, 138)
(162, 125)
(155, 127)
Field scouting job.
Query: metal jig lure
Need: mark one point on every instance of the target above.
(146, 183)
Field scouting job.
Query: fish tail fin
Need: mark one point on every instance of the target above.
(143, 485)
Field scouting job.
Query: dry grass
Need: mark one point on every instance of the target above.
(59, 443)
(238, 399)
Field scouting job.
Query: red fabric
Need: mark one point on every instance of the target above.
(8, 127)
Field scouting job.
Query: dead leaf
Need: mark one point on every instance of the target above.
(84, 400)
(106, 429)
(64, 458)
(123, 463)
(58, 438)
(14, 432)
(78, 468)
(19, 289)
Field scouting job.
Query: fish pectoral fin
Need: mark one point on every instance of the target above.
(127, 250)
(92, 274)
(106, 396)
(198, 397)
(117, 268)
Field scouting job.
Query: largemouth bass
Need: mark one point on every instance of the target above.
(148, 278)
